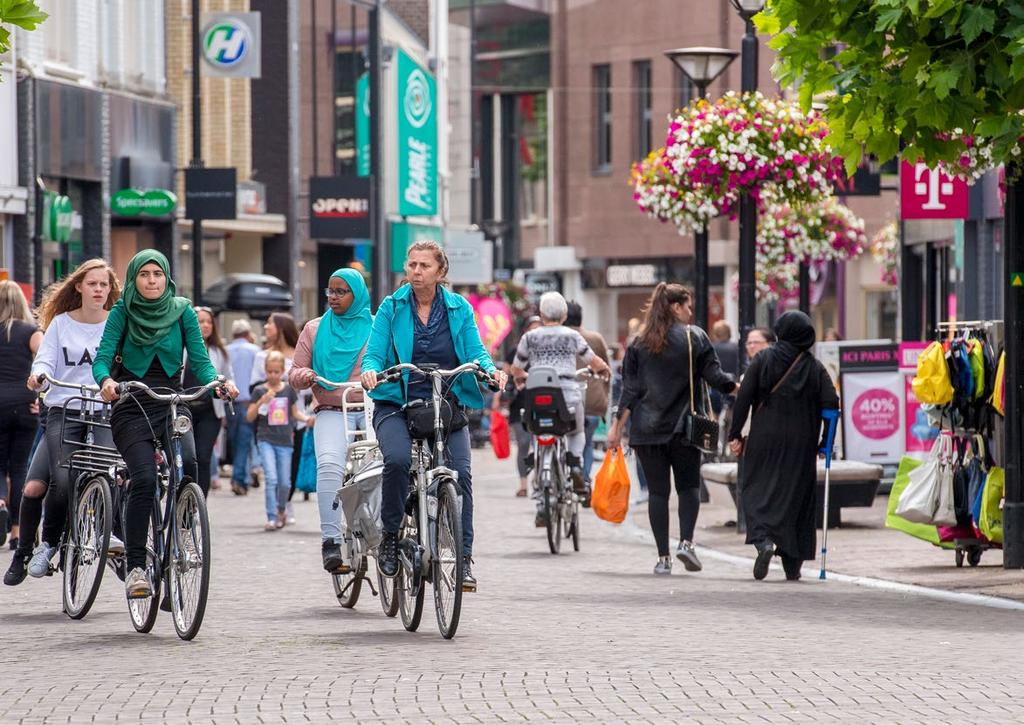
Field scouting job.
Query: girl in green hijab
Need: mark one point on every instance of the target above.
(332, 347)
(147, 332)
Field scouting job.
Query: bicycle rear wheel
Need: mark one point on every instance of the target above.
(448, 562)
(86, 547)
(348, 586)
(189, 570)
(408, 582)
(388, 593)
(575, 527)
(143, 611)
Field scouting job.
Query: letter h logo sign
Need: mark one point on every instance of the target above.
(931, 194)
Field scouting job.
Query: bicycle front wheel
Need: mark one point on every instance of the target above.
(447, 565)
(86, 547)
(143, 611)
(189, 570)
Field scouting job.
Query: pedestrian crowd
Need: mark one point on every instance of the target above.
(299, 397)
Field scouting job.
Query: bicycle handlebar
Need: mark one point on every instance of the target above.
(128, 386)
(394, 372)
(84, 387)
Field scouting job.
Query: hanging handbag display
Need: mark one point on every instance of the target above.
(698, 427)
(928, 497)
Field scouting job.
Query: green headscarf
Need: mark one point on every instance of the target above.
(150, 320)
(341, 338)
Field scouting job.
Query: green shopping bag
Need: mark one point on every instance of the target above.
(991, 523)
(927, 532)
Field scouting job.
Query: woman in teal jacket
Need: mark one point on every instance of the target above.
(423, 322)
(147, 332)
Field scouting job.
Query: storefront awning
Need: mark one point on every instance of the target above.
(261, 224)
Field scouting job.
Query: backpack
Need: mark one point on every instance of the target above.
(932, 384)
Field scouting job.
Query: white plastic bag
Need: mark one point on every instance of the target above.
(928, 497)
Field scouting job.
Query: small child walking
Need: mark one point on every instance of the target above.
(274, 410)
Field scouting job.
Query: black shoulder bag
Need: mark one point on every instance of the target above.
(699, 429)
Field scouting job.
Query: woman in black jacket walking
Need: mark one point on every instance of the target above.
(784, 390)
(656, 395)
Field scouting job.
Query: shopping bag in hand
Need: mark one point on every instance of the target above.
(610, 499)
(499, 435)
(305, 477)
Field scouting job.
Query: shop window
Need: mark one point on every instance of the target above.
(349, 66)
(882, 314)
(602, 84)
(533, 159)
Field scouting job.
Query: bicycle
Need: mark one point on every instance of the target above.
(179, 553)
(359, 498)
(549, 419)
(85, 541)
(430, 542)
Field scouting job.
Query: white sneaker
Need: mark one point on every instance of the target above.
(136, 584)
(39, 566)
(115, 547)
(289, 513)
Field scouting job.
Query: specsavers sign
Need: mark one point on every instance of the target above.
(417, 139)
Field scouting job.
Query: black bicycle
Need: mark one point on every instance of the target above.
(178, 541)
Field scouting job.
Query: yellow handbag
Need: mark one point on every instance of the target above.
(932, 384)
(999, 387)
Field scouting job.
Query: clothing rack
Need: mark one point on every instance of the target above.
(965, 323)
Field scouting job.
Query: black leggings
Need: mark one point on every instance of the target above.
(140, 459)
(206, 427)
(683, 461)
(18, 426)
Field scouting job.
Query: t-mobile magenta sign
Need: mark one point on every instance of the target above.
(931, 194)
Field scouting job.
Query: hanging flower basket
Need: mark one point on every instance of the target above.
(885, 247)
(659, 196)
(787, 236)
(740, 144)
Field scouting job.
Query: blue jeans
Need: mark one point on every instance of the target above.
(589, 427)
(241, 433)
(396, 445)
(277, 467)
(331, 452)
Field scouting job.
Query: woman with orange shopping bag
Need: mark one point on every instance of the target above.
(665, 370)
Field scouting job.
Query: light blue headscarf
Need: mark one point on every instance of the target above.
(341, 338)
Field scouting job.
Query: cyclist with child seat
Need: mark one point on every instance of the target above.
(554, 345)
(145, 339)
(73, 313)
(423, 323)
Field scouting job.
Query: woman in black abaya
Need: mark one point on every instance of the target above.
(785, 389)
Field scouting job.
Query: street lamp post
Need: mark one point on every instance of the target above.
(702, 66)
(748, 210)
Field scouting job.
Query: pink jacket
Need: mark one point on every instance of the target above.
(303, 362)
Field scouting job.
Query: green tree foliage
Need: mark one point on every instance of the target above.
(918, 74)
(23, 13)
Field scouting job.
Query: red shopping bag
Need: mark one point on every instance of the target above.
(610, 499)
(499, 435)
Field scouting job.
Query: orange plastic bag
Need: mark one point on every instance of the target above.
(610, 499)
(499, 435)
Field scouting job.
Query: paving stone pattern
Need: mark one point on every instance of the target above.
(582, 636)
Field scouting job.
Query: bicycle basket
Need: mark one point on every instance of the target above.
(360, 493)
(545, 411)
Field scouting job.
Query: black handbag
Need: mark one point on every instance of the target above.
(698, 428)
(419, 416)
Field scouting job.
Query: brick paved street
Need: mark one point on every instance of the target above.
(588, 636)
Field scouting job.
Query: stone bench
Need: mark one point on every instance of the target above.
(853, 484)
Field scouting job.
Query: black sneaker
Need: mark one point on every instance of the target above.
(334, 562)
(585, 497)
(765, 552)
(387, 554)
(579, 483)
(468, 580)
(17, 571)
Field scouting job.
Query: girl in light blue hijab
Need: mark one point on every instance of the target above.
(331, 347)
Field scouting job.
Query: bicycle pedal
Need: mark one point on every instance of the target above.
(468, 587)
